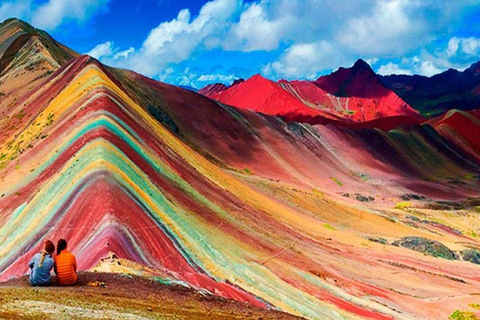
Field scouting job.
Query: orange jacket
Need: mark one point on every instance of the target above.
(66, 268)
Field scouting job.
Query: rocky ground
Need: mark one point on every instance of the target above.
(117, 296)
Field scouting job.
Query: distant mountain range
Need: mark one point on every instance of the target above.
(326, 199)
(435, 95)
(355, 95)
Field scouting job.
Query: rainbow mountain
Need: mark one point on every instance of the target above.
(321, 221)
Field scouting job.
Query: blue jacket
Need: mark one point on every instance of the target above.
(40, 276)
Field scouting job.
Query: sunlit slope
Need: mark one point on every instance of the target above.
(28, 56)
(352, 97)
(236, 203)
(414, 158)
(107, 189)
(462, 129)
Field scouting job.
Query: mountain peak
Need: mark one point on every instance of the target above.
(362, 64)
(357, 81)
(186, 190)
(212, 88)
(237, 81)
(18, 36)
(17, 23)
(258, 77)
(12, 21)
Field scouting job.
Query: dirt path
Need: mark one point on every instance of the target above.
(118, 296)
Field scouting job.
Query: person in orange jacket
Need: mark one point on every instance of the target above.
(65, 265)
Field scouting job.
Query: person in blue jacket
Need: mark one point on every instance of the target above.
(41, 265)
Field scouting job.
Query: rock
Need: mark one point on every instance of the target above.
(411, 196)
(379, 240)
(97, 284)
(414, 218)
(163, 118)
(471, 255)
(426, 246)
(473, 202)
(295, 128)
(363, 198)
(455, 181)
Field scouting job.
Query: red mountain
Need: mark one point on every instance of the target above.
(369, 98)
(268, 97)
(357, 81)
(458, 128)
(212, 89)
(347, 96)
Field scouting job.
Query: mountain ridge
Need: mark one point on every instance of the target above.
(236, 203)
(354, 97)
(432, 96)
(429, 96)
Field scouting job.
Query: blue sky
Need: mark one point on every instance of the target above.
(197, 42)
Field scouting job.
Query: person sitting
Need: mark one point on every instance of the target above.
(41, 265)
(65, 265)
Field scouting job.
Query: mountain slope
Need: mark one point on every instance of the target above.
(27, 57)
(346, 97)
(212, 89)
(236, 203)
(265, 96)
(369, 98)
(27, 54)
(358, 81)
(434, 95)
(459, 127)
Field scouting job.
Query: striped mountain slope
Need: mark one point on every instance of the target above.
(236, 203)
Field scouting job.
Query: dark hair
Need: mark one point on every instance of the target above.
(49, 247)
(61, 245)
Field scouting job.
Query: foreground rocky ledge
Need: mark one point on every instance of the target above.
(117, 296)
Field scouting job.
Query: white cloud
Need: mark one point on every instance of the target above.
(102, 50)
(51, 14)
(123, 54)
(108, 53)
(185, 78)
(457, 54)
(10, 9)
(390, 29)
(452, 48)
(428, 68)
(166, 74)
(255, 31)
(392, 68)
(216, 78)
(305, 60)
(372, 61)
(314, 35)
(470, 46)
(343, 31)
(174, 41)
(266, 24)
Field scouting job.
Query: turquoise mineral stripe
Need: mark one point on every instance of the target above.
(115, 126)
(56, 192)
(267, 284)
